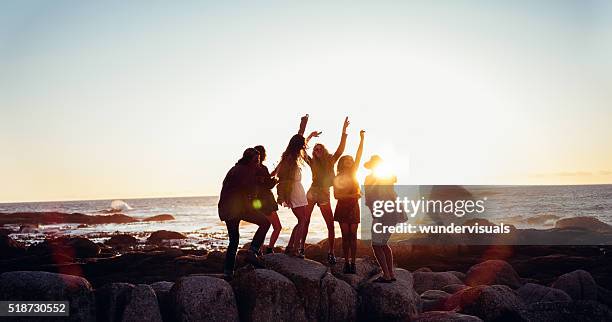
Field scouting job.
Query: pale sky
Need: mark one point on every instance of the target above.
(121, 99)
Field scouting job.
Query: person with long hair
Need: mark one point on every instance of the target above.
(290, 191)
(347, 192)
(322, 165)
(265, 201)
(236, 205)
(379, 187)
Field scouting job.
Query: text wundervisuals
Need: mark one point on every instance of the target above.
(412, 207)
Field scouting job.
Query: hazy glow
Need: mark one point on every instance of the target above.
(117, 100)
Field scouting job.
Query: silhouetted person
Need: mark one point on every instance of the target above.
(380, 188)
(347, 192)
(236, 204)
(267, 204)
(322, 165)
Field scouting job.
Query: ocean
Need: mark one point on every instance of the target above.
(522, 206)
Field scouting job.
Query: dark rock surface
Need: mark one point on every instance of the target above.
(424, 281)
(161, 235)
(265, 295)
(493, 272)
(203, 298)
(579, 285)
(490, 303)
(531, 293)
(43, 286)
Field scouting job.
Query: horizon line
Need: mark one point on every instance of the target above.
(205, 196)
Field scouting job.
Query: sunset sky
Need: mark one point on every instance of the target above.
(122, 99)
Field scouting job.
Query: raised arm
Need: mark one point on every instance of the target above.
(359, 149)
(303, 122)
(342, 144)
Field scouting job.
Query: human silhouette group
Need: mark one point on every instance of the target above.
(247, 195)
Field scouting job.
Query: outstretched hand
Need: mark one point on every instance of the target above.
(305, 118)
(362, 134)
(315, 134)
(346, 124)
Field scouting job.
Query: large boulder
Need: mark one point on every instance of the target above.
(142, 305)
(72, 247)
(111, 300)
(203, 298)
(586, 223)
(161, 235)
(163, 217)
(395, 301)
(122, 240)
(490, 303)
(324, 297)
(306, 275)
(575, 311)
(493, 272)
(265, 295)
(531, 293)
(424, 281)
(403, 274)
(579, 285)
(44, 286)
(443, 316)
(162, 292)
(10, 248)
(338, 300)
(365, 269)
(433, 300)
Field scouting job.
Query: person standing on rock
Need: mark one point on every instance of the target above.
(265, 201)
(347, 192)
(291, 193)
(322, 165)
(378, 186)
(236, 205)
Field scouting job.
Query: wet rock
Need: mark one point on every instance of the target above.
(10, 248)
(575, 311)
(162, 291)
(163, 217)
(365, 268)
(579, 285)
(531, 293)
(433, 300)
(45, 218)
(395, 301)
(493, 272)
(443, 316)
(122, 240)
(490, 303)
(587, 223)
(44, 286)
(424, 281)
(74, 247)
(28, 229)
(161, 235)
(265, 295)
(203, 298)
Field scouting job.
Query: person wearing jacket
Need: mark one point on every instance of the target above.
(236, 205)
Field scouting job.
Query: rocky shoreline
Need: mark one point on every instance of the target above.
(124, 278)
